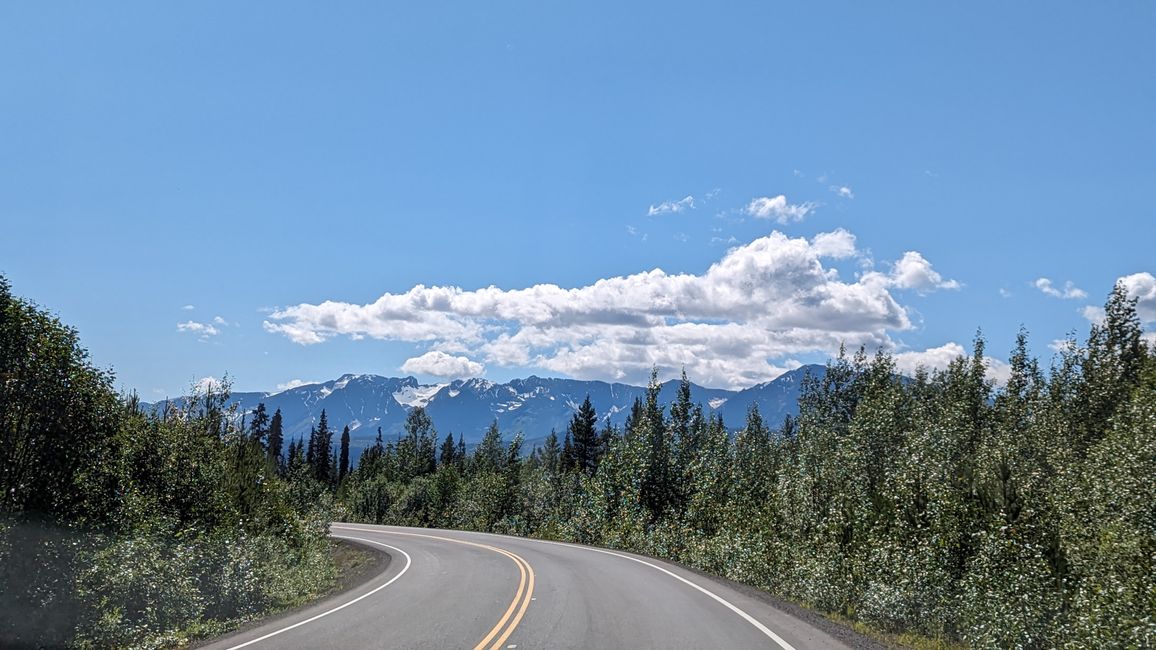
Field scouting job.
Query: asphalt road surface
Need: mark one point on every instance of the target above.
(453, 589)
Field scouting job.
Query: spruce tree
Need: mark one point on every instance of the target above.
(259, 427)
(322, 451)
(276, 439)
(311, 451)
(343, 463)
(449, 450)
(583, 434)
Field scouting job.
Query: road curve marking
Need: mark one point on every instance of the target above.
(725, 603)
(408, 561)
(522, 597)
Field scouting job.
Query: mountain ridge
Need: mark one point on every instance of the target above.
(532, 405)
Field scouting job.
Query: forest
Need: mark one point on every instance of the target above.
(124, 528)
(1018, 516)
(941, 504)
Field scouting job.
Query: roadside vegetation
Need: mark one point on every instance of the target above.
(121, 528)
(936, 507)
(933, 507)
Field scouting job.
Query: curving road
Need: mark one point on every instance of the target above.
(453, 589)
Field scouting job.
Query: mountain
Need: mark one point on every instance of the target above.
(533, 405)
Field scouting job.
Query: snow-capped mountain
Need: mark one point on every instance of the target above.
(533, 405)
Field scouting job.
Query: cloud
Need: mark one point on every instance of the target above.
(1004, 293)
(736, 324)
(837, 244)
(671, 206)
(941, 357)
(205, 384)
(293, 383)
(202, 330)
(188, 308)
(1069, 292)
(778, 209)
(842, 191)
(1093, 313)
(1142, 287)
(440, 364)
(912, 271)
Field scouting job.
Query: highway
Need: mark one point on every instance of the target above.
(454, 589)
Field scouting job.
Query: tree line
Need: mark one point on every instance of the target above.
(1022, 515)
(126, 528)
(1017, 516)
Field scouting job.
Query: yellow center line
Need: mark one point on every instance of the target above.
(522, 596)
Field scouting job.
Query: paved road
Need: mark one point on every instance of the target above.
(453, 589)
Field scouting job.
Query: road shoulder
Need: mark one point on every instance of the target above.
(357, 564)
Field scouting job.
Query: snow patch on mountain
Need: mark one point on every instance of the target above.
(414, 396)
(717, 402)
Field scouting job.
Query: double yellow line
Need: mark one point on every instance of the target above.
(521, 599)
(518, 605)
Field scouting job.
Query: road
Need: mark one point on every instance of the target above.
(454, 589)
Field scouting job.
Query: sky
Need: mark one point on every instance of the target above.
(287, 192)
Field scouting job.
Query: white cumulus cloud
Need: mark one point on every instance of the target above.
(1142, 287)
(1069, 292)
(293, 383)
(842, 191)
(912, 271)
(671, 206)
(205, 384)
(739, 322)
(941, 357)
(777, 208)
(440, 364)
(202, 330)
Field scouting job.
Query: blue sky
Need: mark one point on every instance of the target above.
(217, 188)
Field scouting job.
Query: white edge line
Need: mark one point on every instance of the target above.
(342, 606)
(734, 608)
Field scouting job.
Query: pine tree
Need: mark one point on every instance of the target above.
(490, 452)
(311, 452)
(276, 439)
(259, 427)
(550, 454)
(583, 435)
(449, 450)
(322, 450)
(343, 463)
(460, 456)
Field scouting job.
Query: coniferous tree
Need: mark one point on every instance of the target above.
(323, 450)
(550, 454)
(276, 439)
(460, 456)
(583, 435)
(448, 451)
(343, 461)
(569, 459)
(259, 427)
(490, 453)
(311, 451)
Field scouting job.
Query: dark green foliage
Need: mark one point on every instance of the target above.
(276, 441)
(1023, 516)
(449, 451)
(57, 415)
(259, 426)
(582, 432)
(343, 462)
(321, 444)
(121, 528)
